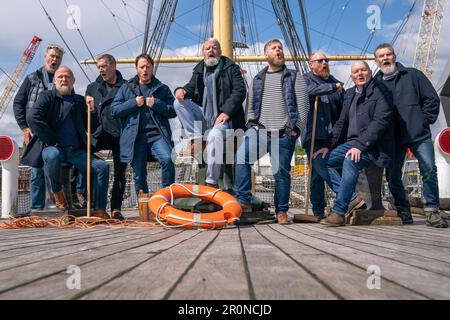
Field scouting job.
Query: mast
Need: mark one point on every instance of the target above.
(223, 25)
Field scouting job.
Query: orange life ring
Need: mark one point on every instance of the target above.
(161, 206)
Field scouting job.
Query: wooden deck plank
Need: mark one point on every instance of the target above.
(219, 273)
(18, 250)
(371, 237)
(32, 272)
(348, 280)
(391, 252)
(100, 271)
(45, 254)
(49, 237)
(426, 283)
(156, 277)
(275, 275)
(420, 231)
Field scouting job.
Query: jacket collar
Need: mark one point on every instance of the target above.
(263, 72)
(226, 63)
(118, 83)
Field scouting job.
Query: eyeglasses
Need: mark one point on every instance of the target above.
(321, 60)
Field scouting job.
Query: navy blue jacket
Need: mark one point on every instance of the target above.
(416, 105)
(288, 84)
(374, 112)
(328, 111)
(105, 129)
(44, 118)
(231, 90)
(124, 107)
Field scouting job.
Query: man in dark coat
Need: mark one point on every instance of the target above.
(144, 105)
(330, 93)
(212, 102)
(365, 125)
(106, 130)
(57, 120)
(33, 85)
(416, 107)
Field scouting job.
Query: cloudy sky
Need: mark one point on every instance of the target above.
(116, 27)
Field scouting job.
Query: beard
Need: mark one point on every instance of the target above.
(324, 73)
(63, 89)
(211, 61)
(276, 62)
(388, 70)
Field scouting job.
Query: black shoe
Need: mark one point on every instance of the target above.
(116, 214)
(405, 214)
(434, 219)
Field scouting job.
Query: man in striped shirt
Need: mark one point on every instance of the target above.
(277, 105)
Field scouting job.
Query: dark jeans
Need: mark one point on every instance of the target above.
(162, 152)
(424, 152)
(53, 157)
(349, 177)
(118, 188)
(255, 145)
(319, 175)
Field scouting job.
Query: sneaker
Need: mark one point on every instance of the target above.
(434, 219)
(334, 220)
(405, 214)
(356, 203)
(282, 218)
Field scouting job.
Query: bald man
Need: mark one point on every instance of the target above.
(365, 125)
(58, 121)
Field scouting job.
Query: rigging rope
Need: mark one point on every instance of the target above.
(67, 45)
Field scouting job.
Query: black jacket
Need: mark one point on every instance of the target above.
(105, 129)
(416, 105)
(24, 99)
(47, 114)
(231, 90)
(374, 113)
(328, 110)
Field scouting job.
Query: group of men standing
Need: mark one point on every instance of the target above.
(131, 118)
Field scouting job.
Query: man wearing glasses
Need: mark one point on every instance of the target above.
(330, 93)
(33, 85)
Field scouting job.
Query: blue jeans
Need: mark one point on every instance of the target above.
(37, 188)
(319, 175)
(53, 157)
(255, 145)
(424, 153)
(349, 178)
(162, 152)
(191, 117)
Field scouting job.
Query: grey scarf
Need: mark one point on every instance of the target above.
(210, 108)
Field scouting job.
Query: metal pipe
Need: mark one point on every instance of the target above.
(237, 59)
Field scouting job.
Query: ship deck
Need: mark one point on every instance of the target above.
(262, 261)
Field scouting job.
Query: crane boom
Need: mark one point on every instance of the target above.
(21, 67)
(428, 36)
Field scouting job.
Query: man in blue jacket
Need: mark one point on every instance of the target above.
(33, 85)
(144, 105)
(416, 108)
(365, 127)
(57, 120)
(106, 131)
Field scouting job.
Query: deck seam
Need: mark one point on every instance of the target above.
(251, 289)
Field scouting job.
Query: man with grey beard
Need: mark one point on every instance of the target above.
(218, 87)
(416, 108)
(58, 120)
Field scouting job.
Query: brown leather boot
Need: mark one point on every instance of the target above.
(101, 213)
(60, 201)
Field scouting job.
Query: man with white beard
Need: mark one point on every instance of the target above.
(218, 87)
(416, 107)
(58, 120)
